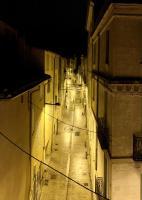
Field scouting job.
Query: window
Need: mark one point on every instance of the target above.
(56, 99)
(94, 53)
(48, 87)
(137, 147)
(93, 90)
(107, 48)
(47, 62)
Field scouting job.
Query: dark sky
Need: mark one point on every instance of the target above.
(57, 25)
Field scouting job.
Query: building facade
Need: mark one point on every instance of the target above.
(114, 61)
(54, 66)
(29, 107)
(45, 111)
(21, 72)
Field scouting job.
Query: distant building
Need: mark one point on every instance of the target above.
(115, 92)
(54, 66)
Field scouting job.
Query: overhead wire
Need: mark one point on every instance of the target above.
(59, 120)
(35, 158)
(71, 125)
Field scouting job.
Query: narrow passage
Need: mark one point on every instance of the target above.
(69, 153)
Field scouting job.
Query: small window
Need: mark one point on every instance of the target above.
(47, 62)
(107, 48)
(56, 99)
(94, 54)
(137, 147)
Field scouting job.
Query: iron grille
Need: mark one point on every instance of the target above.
(103, 133)
(137, 147)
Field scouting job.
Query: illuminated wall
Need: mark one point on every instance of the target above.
(52, 66)
(37, 138)
(15, 165)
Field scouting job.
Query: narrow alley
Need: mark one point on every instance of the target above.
(71, 100)
(69, 152)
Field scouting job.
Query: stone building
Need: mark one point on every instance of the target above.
(115, 90)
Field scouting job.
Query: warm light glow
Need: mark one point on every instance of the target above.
(67, 138)
(73, 93)
(78, 113)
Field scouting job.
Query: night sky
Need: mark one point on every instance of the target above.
(57, 25)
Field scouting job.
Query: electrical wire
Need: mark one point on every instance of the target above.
(25, 152)
(73, 126)
(30, 155)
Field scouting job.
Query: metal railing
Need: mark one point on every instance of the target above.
(137, 147)
(103, 133)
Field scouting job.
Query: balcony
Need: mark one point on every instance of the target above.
(137, 147)
(103, 133)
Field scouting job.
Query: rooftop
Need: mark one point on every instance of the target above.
(13, 85)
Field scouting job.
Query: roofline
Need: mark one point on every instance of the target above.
(22, 89)
(107, 4)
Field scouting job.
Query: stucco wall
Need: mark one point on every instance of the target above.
(15, 165)
(126, 121)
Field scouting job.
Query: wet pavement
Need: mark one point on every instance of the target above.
(69, 155)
